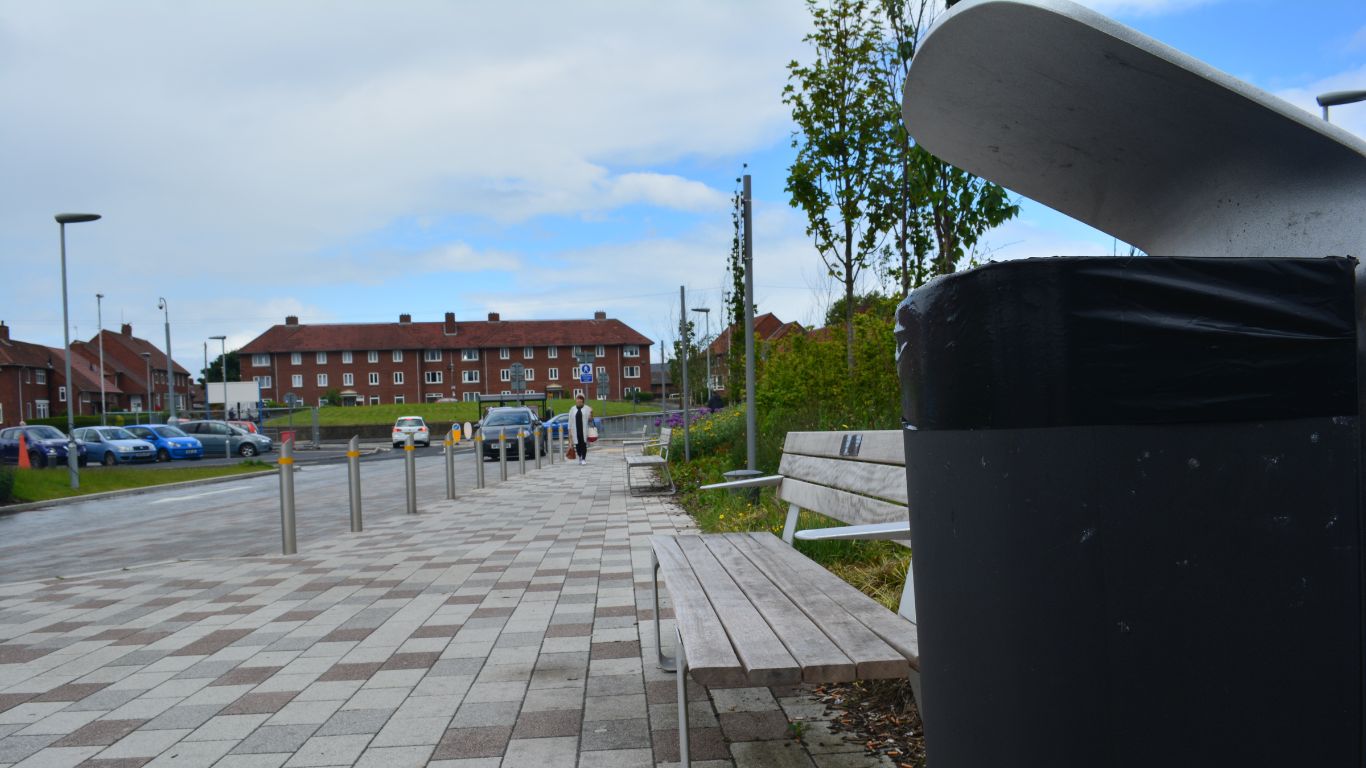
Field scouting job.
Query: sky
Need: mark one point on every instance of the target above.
(353, 161)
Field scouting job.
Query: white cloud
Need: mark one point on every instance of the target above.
(1349, 117)
(1143, 7)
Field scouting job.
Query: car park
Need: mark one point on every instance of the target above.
(171, 442)
(411, 425)
(506, 424)
(46, 446)
(214, 435)
(114, 445)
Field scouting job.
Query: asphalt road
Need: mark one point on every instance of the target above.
(223, 520)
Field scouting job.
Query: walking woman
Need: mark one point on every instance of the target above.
(580, 421)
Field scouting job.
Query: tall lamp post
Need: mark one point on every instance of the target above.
(170, 370)
(223, 372)
(99, 314)
(1338, 98)
(147, 358)
(706, 338)
(62, 220)
(207, 415)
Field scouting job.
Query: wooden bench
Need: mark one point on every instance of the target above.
(749, 610)
(654, 454)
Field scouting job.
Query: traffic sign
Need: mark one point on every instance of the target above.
(585, 373)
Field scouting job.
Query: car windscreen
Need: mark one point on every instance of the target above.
(410, 423)
(507, 419)
(45, 433)
(114, 433)
(170, 432)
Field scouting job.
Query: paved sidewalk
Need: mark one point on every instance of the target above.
(512, 627)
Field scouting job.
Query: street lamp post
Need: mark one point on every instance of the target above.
(1338, 98)
(147, 358)
(62, 220)
(207, 415)
(223, 372)
(99, 314)
(170, 369)
(706, 339)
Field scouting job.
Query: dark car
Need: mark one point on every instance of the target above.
(508, 423)
(46, 446)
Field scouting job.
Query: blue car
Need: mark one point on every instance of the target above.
(559, 425)
(46, 446)
(171, 442)
(115, 445)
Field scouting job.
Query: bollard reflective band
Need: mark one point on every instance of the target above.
(410, 447)
(448, 442)
(286, 459)
(352, 454)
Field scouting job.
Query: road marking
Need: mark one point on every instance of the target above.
(187, 498)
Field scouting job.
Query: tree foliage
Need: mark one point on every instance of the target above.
(213, 372)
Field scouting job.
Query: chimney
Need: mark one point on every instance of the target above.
(127, 329)
(493, 317)
(4, 331)
(449, 328)
(291, 319)
(405, 318)
(599, 315)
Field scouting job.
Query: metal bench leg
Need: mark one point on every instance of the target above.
(790, 524)
(915, 691)
(682, 702)
(665, 663)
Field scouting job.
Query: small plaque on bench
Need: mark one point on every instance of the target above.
(850, 445)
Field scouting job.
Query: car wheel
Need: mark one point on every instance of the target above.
(41, 461)
(247, 450)
(109, 460)
(163, 454)
(427, 444)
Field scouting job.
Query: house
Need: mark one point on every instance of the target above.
(128, 360)
(413, 362)
(33, 383)
(767, 328)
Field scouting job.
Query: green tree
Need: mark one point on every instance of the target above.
(877, 304)
(697, 366)
(215, 366)
(735, 304)
(838, 106)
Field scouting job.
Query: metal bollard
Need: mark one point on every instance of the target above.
(479, 460)
(502, 457)
(521, 451)
(552, 446)
(289, 543)
(410, 459)
(536, 447)
(450, 466)
(353, 474)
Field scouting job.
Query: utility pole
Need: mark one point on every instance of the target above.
(683, 336)
(750, 428)
(170, 366)
(99, 314)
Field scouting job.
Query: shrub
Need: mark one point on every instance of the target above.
(6, 485)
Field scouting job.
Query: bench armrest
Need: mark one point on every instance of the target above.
(754, 482)
(871, 532)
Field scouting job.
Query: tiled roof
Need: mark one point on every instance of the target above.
(477, 334)
(83, 376)
(14, 352)
(138, 346)
(766, 327)
(89, 357)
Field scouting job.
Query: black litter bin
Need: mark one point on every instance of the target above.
(1135, 509)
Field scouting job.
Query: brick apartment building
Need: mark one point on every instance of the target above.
(408, 362)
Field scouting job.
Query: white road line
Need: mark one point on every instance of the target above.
(192, 496)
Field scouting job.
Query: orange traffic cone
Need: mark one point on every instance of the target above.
(23, 453)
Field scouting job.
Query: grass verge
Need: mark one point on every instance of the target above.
(47, 484)
(336, 416)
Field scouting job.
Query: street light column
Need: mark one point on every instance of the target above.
(147, 358)
(99, 315)
(1338, 98)
(223, 370)
(62, 220)
(170, 367)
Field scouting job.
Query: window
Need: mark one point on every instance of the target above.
(578, 392)
(470, 397)
(577, 350)
(553, 374)
(398, 377)
(432, 355)
(322, 379)
(398, 399)
(372, 356)
(505, 374)
(433, 396)
(631, 371)
(321, 357)
(260, 361)
(528, 353)
(346, 358)
(600, 352)
(374, 399)
(262, 381)
(43, 410)
(61, 394)
(528, 374)
(432, 377)
(374, 379)
(348, 379)
(552, 352)
(297, 380)
(630, 350)
(42, 376)
(469, 355)
(296, 358)
(504, 353)
(398, 355)
(469, 377)
(602, 395)
(602, 371)
(322, 401)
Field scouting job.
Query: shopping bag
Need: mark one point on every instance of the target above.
(592, 434)
(571, 454)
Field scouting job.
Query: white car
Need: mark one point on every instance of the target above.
(411, 425)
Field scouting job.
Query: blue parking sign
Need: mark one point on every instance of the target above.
(585, 373)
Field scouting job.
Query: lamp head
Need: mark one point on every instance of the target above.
(1338, 98)
(75, 218)
(161, 303)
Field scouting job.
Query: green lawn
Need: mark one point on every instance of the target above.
(45, 484)
(335, 416)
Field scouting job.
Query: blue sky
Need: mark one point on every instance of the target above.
(351, 161)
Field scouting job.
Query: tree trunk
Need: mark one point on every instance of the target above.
(849, 294)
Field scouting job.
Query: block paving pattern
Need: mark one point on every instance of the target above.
(511, 627)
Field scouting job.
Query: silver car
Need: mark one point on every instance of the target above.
(215, 434)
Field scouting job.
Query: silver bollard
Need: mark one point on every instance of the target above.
(502, 457)
(479, 460)
(536, 447)
(521, 451)
(450, 464)
(353, 474)
(410, 459)
(289, 543)
(552, 446)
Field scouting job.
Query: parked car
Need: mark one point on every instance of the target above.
(215, 434)
(249, 426)
(558, 426)
(171, 442)
(46, 446)
(507, 422)
(411, 425)
(114, 445)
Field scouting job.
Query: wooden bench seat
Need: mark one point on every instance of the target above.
(749, 610)
(654, 454)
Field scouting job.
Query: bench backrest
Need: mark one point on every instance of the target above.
(854, 477)
(665, 435)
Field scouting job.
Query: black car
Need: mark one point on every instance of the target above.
(46, 446)
(508, 423)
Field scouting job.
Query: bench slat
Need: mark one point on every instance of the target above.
(883, 481)
(761, 652)
(894, 630)
(711, 659)
(841, 505)
(884, 446)
(874, 659)
(819, 657)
